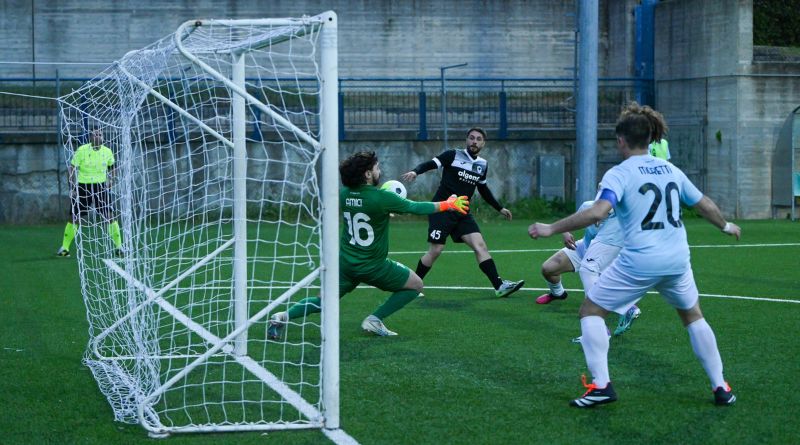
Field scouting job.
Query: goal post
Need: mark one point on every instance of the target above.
(225, 186)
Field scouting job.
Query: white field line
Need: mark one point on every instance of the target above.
(701, 246)
(553, 249)
(731, 297)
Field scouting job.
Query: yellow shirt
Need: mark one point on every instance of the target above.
(92, 164)
(660, 149)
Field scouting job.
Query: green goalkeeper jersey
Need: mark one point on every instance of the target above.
(365, 233)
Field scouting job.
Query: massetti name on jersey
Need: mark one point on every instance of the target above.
(657, 170)
(472, 179)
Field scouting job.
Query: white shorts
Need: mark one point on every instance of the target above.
(575, 256)
(617, 290)
(597, 259)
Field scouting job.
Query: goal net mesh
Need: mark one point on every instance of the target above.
(162, 309)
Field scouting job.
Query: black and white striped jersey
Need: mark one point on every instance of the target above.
(461, 173)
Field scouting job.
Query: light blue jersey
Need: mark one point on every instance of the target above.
(607, 231)
(648, 193)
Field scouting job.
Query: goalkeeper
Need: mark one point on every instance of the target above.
(94, 163)
(364, 244)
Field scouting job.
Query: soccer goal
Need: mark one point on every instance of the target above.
(225, 188)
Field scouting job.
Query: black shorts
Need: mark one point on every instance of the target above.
(454, 224)
(91, 195)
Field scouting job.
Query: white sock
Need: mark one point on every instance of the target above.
(594, 339)
(556, 289)
(704, 344)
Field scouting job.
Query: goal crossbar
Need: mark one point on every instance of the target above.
(288, 28)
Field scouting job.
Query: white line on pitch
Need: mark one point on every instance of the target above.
(553, 249)
(731, 297)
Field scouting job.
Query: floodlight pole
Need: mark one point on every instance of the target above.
(444, 99)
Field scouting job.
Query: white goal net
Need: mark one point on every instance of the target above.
(225, 190)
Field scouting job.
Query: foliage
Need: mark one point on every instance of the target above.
(776, 23)
(528, 209)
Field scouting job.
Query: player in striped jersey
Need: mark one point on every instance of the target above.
(463, 171)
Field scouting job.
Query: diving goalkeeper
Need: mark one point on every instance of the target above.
(364, 244)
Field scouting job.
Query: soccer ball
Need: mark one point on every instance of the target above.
(396, 187)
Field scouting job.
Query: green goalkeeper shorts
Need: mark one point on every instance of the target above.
(389, 275)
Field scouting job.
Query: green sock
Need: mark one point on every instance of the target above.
(113, 230)
(304, 307)
(395, 302)
(69, 235)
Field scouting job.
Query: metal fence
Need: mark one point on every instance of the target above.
(416, 106)
(503, 105)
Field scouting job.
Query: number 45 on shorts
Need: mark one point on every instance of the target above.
(436, 234)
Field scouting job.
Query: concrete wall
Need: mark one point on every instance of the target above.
(30, 173)
(766, 101)
(378, 38)
(706, 81)
(34, 181)
(621, 38)
(693, 83)
(705, 75)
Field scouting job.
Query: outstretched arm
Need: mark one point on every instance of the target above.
(454, 203)
(578, 220)
(709, 210)
(410, 176)
(487, 195)
(396, 204)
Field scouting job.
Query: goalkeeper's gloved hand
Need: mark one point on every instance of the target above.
(455, 203)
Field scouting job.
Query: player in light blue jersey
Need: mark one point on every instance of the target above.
(570, 257)
(609, 242)
(589, 256)
(645, 192)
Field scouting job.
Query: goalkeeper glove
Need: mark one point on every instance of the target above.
(457, 203)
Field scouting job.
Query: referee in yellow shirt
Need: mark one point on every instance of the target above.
(94, 163)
